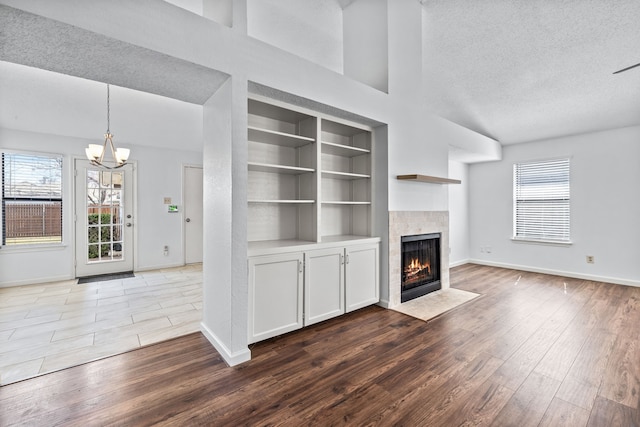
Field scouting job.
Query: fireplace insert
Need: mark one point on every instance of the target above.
(420, 269)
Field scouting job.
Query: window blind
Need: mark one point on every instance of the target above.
(542, 200)
(31, 199)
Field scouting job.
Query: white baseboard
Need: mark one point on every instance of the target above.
(574, 275)
(231, 358)
(457, 263)
(35, 280)
(384, 303)
(158, 267)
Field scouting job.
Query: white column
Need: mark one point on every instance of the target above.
(225, 281)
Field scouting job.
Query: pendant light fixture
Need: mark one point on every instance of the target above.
(95, 152)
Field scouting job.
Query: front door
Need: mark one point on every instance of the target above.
(104, 219)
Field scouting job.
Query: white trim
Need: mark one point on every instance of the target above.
(230, 358)
(44, 247)
(574, 275)
(542, 242)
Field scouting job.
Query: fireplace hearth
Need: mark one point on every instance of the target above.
(420, 265)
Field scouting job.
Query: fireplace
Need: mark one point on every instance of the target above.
(420, 265)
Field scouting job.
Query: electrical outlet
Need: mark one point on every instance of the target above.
(166, 250)
(481, 249)
(488, 249)
(591, 259)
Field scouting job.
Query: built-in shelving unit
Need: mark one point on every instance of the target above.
(282, 169)
(312, 255)
(428, 179)
(345, 179)
(309, 175)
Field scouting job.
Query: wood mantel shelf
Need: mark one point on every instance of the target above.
(427, 178)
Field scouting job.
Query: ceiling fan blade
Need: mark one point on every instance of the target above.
(628, 68)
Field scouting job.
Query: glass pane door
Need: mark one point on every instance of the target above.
(105, 211)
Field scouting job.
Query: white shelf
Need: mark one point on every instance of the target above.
(343, 150)
(266, 167)
(267, 136)
(344, 175)
(302, 188)
(344, 202)
(288, 202)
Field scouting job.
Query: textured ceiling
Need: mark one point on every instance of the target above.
(523, 70)
(35, 41)
(512, 70)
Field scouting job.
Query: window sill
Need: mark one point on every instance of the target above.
(542, 242)
(17, 249)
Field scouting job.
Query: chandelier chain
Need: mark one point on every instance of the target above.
(108, 111)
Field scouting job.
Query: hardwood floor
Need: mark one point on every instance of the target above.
(534, 350)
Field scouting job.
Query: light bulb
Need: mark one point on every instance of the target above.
(94, 151)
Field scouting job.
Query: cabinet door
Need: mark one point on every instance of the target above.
(275, 295)
(362, 276)
(323, 285)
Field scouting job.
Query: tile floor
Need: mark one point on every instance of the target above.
(47, 327)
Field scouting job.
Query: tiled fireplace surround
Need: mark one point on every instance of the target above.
(407, 223)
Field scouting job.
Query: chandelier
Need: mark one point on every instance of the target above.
(95, 152)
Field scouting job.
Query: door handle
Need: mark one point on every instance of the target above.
(129, 224)
(188, 220)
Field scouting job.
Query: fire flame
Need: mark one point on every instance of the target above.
(415, 266)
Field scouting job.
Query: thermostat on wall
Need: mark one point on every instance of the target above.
(173, 208)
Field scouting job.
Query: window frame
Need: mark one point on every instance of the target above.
(552, 196)
(19, 247)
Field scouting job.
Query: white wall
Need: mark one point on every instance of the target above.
(311, 29)
(605, 207)
(417, 141)
(459, 214)
(195, 6)
(159, 175)
(365, 43)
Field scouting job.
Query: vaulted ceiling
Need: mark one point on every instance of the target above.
(512, 70)
(523, 70)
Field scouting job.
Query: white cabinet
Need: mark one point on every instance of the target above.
(362, 276)
(323, 285)
(275, 295)
(286, 293)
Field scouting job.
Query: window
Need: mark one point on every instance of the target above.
(541, 201)
(31, 199)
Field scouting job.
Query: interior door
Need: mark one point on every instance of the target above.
(193, 214)
(104, 219)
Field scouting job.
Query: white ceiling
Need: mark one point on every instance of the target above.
(523, 70)
(512, 70)
(42, 101)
